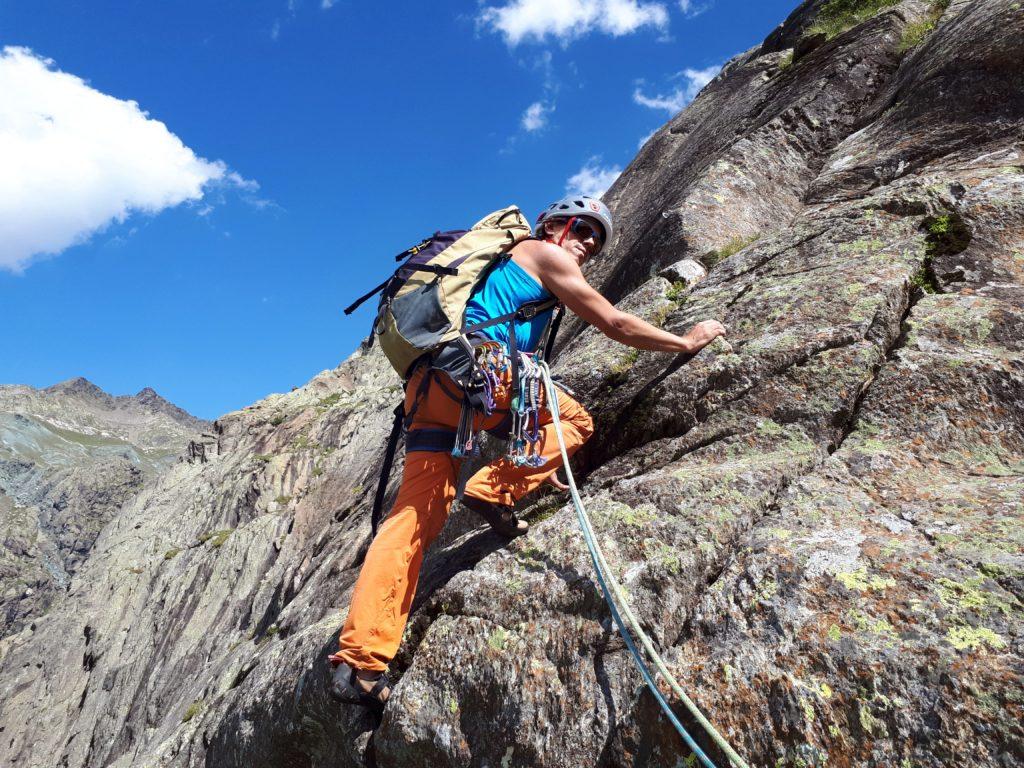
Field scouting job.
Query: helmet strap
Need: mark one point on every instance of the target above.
(565, 230)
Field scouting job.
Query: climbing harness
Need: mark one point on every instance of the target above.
(623, 616)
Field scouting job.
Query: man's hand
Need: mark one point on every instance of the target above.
(703, 333)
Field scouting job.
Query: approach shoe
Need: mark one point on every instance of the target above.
(500, 517)
(345, 687)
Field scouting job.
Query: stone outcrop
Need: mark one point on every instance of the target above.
(70, 456)
(820, 527)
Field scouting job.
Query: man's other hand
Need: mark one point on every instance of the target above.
(704, 332)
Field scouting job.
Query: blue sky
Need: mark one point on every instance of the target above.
(305, 143)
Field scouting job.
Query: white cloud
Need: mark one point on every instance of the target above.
(681, 96)
(75, 159)
(325, 4)
(691, 9)
(566, 20)
(592, 179)
(536, 116)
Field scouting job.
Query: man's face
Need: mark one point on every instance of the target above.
(582, 238)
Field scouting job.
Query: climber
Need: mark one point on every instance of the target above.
(568, 233)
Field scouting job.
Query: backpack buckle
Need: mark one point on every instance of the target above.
(528, 312)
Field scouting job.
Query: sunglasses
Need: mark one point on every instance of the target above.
(583, 231)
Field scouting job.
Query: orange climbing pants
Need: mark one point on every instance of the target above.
(387, 582)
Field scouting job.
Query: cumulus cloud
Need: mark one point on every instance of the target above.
(75, 159)
(695, 79)
(536, 116)
(592, 179)
(566, 20)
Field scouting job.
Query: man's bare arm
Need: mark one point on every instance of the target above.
(563, 277)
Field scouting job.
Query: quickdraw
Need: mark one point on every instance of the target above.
(524, 447)
(492, 362)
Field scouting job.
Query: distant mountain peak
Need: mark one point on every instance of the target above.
(149, 395)
(77, 386)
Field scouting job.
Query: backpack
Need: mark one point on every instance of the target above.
(422, 305)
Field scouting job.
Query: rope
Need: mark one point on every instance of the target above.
(606, 577)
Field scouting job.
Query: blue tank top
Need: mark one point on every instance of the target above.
(506, 288)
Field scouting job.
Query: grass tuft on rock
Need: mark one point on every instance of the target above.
(735, 245)
(915, 33)
(193, 709)
(944, 235)
(837, 16)
(216, 539)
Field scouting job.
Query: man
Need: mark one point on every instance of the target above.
(570, 232)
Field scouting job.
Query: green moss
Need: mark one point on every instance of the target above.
(944, 235)
(668, 558)
(278, 419)
(620, 371)
(282, 500)
(318, 470)
(837, 16)
(915, 33)
(497, 639)
(924, 280)
(262, 457)
(786, 61)
(453, 705)
(974, 638)
(737, 244)
(172, 553)
(193, 709)
(868, 721)
(330, 400)
(217, 538)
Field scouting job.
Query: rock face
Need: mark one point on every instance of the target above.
(70, 455)
(821, 528)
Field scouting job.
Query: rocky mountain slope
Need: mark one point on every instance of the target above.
(70, 455)
(820, 527)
